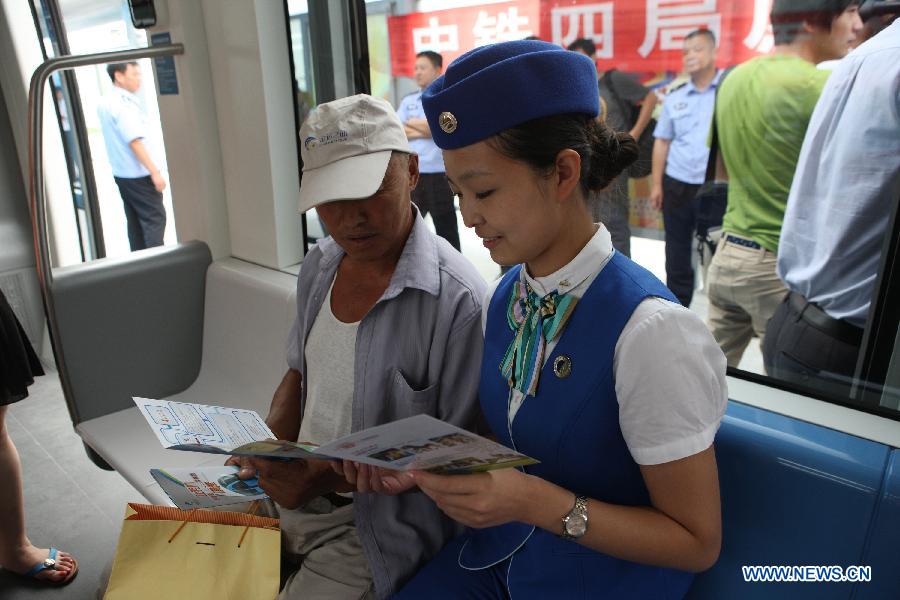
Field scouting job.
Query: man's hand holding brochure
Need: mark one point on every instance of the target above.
(420, 442)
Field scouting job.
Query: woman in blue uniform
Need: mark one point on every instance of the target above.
(590, 365)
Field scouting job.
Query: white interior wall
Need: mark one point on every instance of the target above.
(251, 81)
(279, 102)
(21, 54)
(191, 133)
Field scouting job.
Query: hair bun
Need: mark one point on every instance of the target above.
(611, 153)
(627, 151)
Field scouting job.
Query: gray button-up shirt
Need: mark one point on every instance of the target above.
(417, 351)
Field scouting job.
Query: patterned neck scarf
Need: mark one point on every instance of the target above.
(537, 322)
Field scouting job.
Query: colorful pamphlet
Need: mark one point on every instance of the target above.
(419, 442)
(206, 487)
(216, 430)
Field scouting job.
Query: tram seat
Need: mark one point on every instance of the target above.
(247, 313)
(799, 494)
(128, 325)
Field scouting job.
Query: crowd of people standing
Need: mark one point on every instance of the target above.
(768, 254)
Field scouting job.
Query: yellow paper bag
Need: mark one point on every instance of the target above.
(164, 552)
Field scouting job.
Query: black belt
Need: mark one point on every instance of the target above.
(337, 499)
(837, 328)
(742, 242)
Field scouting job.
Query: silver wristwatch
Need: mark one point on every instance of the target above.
(575, 523)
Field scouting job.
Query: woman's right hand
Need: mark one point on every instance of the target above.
(369, 479)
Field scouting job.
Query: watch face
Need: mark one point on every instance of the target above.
(576, 525)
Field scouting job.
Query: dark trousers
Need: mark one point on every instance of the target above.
(680, 221)
(433, 195)
(797, 351)
(144, 212)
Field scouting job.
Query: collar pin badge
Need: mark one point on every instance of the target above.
(448, 122)
(562, 366)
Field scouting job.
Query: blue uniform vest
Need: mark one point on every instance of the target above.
(572, 427)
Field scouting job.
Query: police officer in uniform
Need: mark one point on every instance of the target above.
(432, 194)
(680, 155)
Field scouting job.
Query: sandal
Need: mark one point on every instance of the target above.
(50, 563)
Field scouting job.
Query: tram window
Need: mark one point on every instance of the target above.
(107, 225)
(891, 396)
(642, 54)
(96, 90)
(304, 88)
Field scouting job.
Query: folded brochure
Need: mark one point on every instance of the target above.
(206, 487)
(418, 442)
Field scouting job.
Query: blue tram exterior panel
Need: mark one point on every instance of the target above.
(883, 551)
(798, 494)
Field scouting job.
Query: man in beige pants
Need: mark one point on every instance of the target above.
(762, 111)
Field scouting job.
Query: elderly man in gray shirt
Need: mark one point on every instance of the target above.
(388, 326)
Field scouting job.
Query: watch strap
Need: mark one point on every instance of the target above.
(579, 508)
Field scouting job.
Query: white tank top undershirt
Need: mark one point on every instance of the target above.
(330, 365)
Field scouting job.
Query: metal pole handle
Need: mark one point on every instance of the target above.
(36, 175)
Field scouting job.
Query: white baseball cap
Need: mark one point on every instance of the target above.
(347, 145)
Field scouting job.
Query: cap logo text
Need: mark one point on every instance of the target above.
(313, 142)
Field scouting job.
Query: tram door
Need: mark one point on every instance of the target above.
(88, 218)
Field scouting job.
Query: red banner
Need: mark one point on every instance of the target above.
(630, 35)
(456, 31)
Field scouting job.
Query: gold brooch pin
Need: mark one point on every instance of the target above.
(562, 366)
(448, 122)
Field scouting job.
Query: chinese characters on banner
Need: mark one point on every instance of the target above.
(454, 32)
(630, 35)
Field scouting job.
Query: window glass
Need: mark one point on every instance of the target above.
(118, 220)
(133, 214)
(304, 87)
(798, 275)
(891, 396)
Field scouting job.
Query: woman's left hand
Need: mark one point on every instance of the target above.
(479, 500)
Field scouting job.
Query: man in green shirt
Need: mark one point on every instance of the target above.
(762, 113)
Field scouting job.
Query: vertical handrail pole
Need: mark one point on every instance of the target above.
(36, 176)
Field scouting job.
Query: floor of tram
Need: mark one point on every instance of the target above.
(69, 502)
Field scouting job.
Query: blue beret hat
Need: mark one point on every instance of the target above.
(492, 88)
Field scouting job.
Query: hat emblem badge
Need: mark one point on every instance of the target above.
(447, 121)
